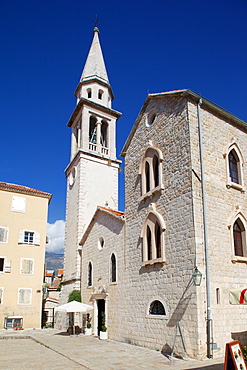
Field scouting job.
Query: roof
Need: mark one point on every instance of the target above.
(60, 272)
(55, 284)
(205, 103)
(119, 215)
(116, 213)
(95, 65)
(49, 273)
(24, 190)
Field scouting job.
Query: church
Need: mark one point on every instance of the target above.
(161, 273)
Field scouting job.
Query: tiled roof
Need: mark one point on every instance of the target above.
(55, 283)
(23, 189)
(49, 273)
(60, 272)
(116, 213)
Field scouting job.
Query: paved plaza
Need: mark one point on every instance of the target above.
(51, 349)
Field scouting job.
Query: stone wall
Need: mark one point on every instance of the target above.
(170, 281)
(111, 229)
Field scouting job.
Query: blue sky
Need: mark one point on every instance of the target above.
(149, 46)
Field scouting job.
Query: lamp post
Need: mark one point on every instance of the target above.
(197, 277)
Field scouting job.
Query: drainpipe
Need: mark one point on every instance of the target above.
(209, 318)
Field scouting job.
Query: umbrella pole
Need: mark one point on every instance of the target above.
(74, 322)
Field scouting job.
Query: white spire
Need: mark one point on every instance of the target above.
(95, 65)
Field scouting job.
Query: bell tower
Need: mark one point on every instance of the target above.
(92, 174)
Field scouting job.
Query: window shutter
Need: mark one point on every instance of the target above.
(24, 296)
(7, 265)
(18, 204)
(26, 266)
(36, 238)
(1, 295)
(3, 234)
(21, 236)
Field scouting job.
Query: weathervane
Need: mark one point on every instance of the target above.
(96, 21)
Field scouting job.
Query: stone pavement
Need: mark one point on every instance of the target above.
(51, 349)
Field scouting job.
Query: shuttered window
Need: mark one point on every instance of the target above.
(29, 237)
(3, 234)
(18, 204)
(27, 266)
(1, 295)
(24, 296)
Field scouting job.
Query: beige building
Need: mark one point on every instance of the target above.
(185, 210)
(23, 221)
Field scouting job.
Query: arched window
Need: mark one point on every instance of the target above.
(89, 276)
(149, 243)
(157, 308)
(92, 130)
(147, 175)
(233, 166)
(239, 238)
(156, 170)
(158, 239)
(151, 172)
(153, 239)
(89, 93)
(103, 134)
(113, 268)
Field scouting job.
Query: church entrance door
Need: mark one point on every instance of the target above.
(101, 312)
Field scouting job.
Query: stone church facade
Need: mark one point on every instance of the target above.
(185, 209)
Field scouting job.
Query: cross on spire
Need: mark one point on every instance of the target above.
(96, 21)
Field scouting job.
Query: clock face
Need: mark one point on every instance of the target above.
(72, 176)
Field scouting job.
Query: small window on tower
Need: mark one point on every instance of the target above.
(92, 130)
(100, 94)
(89, 93)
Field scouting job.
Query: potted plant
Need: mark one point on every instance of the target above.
(88, 330)
(103, 332)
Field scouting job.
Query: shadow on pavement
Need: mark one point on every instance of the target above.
(210, 367)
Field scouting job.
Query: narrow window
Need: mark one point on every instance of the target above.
(233, 166)
(1, 264)
(113, 268)
(149, 244)
(218, 295)
(157, 308)
(90, 269)
(103, 134)
(147, 175)
(157, 240)
(238, 236)
(89, 93)
(100, 94)
(156, 170)
(101, 243)
(92, 130)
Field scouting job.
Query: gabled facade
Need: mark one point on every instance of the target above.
(23, 221)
